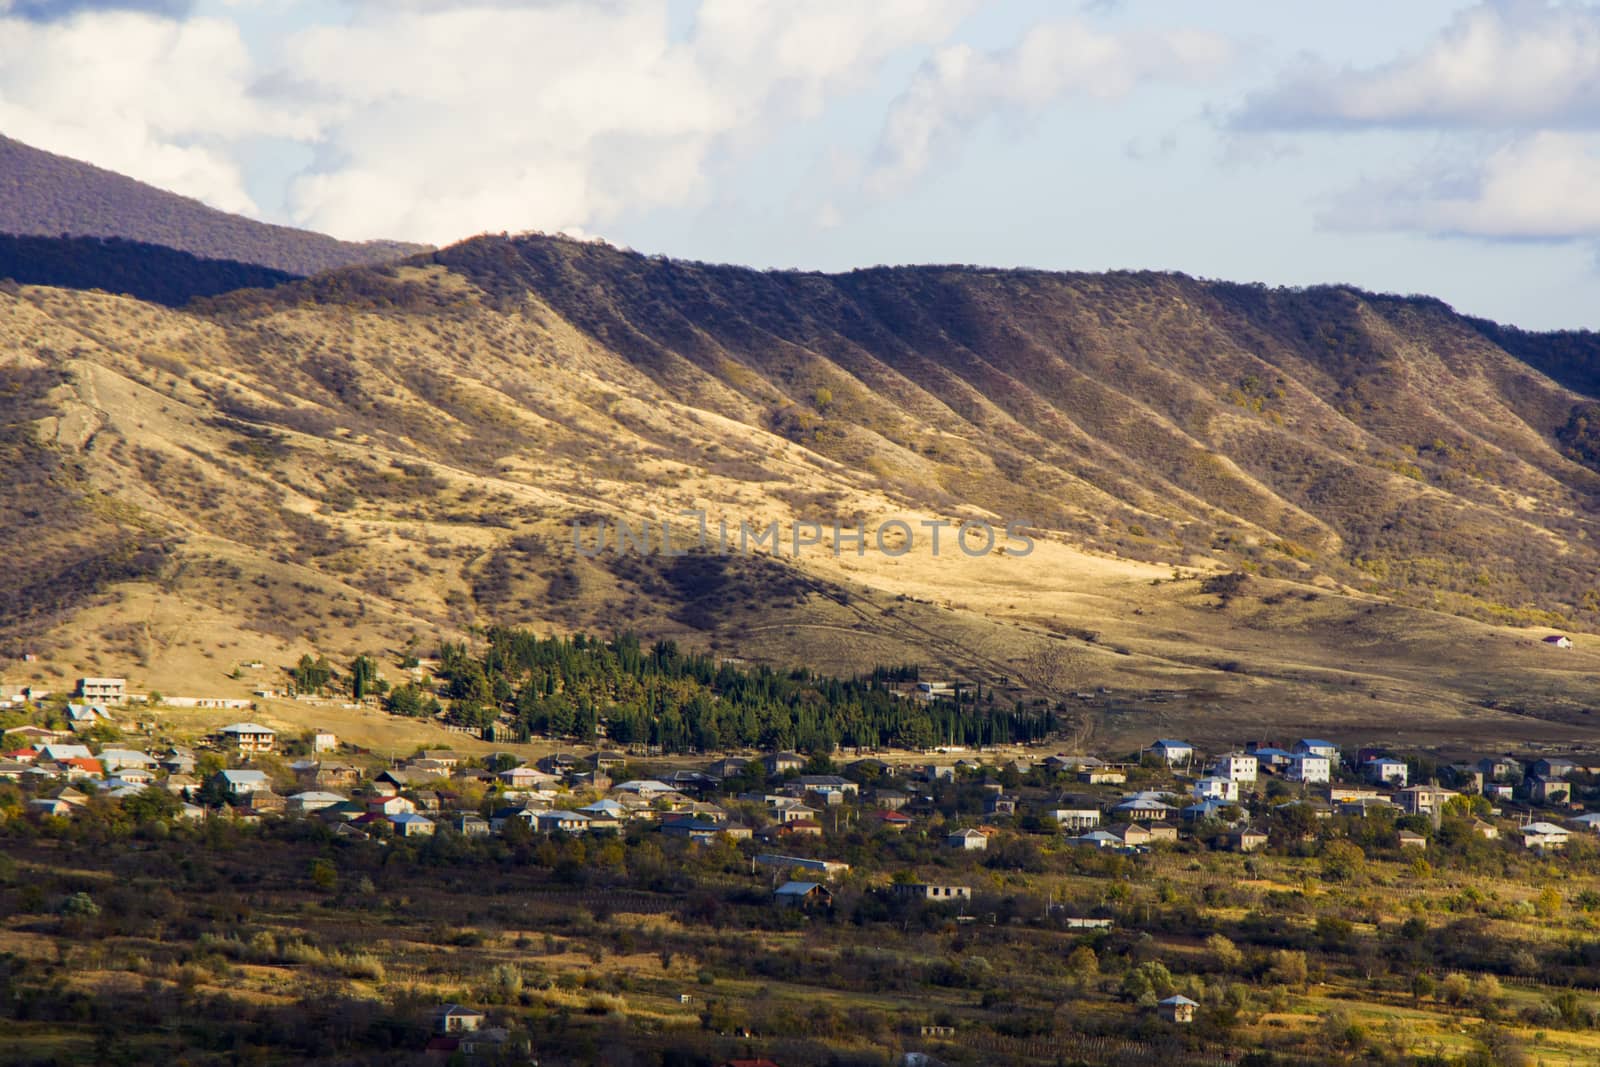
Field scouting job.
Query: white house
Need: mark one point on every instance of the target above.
(1386, 770)
(1076, 818)
(1173, 751)
(410, 824)
(1544, 836)
(1315, 746)
(105, 690)
(1310, 768)
(249, 736)
(243, 783)
(313, 800)
(967, 840)
(1237, 766)
(1216, 788)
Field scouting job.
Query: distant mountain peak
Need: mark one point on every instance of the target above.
(46, 195)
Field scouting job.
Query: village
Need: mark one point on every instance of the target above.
(785, 812)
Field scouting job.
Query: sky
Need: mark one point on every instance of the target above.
(1421, 146)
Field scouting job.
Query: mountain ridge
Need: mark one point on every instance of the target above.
(47, 195)
(378, 456)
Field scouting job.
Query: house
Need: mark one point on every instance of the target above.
(249, 736)
(324, 741)
(1246, 839)
(1269, 757)
(1544, 836)
(928, 891)
(1558, 641)
(410, 824)
(1163, 832)
(261, 802)
(501, 817)
(1500, 769)
(83, 716)
(1076, 818)
(936, 772)
(58, 752)
(892, 820)
(613, 760)
(183, 785)
(1205, 809)
(115, 759)
(312, 800)
(890, 799)
(783, 762)
(1216, 788)
(1554, 767)
(1000, 805)
(803, 894)
(178, 761)
(1590, 821)
(967, 840)
(1542, 790)
(454, 1019)
(796, 828)
(693, 829)
(81, 767)
(1064, 764)
(1096, 838)
(49, 806)
(1309, 768)
(559, 763)
(239, 784)
(1487, 830)
(1408, 839)
(730, 767)
(1172, 751)
(1102, 776)
(103, 690)
(393, 805)
(645, 789)
(1423, 799)
(523, 777)
(794, 811)
(1386, 770)
(827, 785)
(469, 825)
(828, 867)
(1143, 807)
(1130, 835)
(1177, 1008)
(1237, 767)
(566, 822)
(1315, 746)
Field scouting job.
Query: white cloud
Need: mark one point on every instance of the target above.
(1510, 63)
(555, 115)
(436, 120)
(960, 87)
(1540, 188)
(155, 98)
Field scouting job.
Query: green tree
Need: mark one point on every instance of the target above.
(363, 677)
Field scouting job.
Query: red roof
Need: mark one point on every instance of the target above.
(25, 755)
(90, 765)
(893, 816)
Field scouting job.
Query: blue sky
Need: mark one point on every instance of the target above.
(1445, 148)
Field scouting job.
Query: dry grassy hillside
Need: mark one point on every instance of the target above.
(383, 456)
